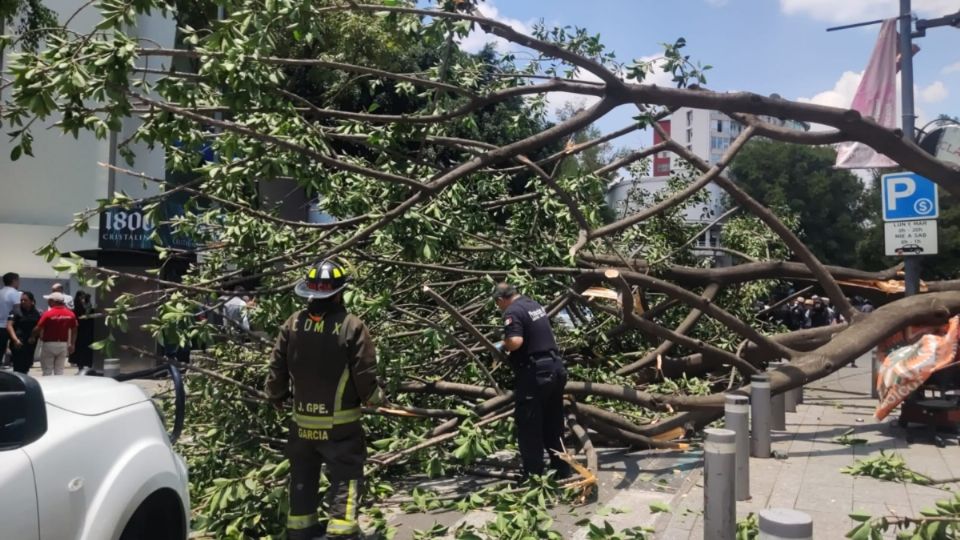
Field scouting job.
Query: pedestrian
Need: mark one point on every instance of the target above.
(866, 306)
(20, 331)
(539, 380)
(330, 359)
(817, 314)
(82, 356)
(235, 310)
(67, 299)
(798, 314)
(9, 303)
(832, 313)
(57, 328)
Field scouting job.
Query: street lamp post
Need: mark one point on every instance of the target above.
(911, 262)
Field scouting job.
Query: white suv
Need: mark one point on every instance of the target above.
(88, 458)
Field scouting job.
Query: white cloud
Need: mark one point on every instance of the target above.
(845, 11)
(841, 95)
(952, 68)
(934, 93)
(477, 39)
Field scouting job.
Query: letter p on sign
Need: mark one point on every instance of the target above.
(899, 188)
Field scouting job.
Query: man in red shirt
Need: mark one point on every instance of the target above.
(58, 330)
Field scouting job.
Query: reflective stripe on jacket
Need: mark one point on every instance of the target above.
(330, 361)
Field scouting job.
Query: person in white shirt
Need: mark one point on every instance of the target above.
(235, 309)
(68, 300)
(9, 304)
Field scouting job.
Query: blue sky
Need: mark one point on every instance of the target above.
(764, 46)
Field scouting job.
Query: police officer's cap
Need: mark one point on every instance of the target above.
(504, 290)
(323, 280)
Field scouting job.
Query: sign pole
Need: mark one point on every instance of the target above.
(911, 262)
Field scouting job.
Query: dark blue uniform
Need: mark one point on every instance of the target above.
(539, 382)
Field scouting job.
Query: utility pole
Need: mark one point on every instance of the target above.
(911, 263)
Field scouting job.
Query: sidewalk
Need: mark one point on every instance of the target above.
(809, 478)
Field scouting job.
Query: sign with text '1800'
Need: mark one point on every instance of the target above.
(917, 237)
(909, 196)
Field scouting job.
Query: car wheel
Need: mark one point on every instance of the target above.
(159, 517)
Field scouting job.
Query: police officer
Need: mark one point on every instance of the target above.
(328, 357)
(539, 379)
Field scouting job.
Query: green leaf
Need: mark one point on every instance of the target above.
(659, 506)
(860, 516)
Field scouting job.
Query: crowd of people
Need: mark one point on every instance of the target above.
(61, 332)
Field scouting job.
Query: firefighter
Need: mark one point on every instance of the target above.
(539, 379)
(328, 357)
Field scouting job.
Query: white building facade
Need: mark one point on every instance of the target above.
(708, 134)
(41, 194)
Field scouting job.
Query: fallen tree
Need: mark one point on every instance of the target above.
(443, 176)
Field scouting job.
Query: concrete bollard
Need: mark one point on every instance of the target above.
(737, 414)
(760, 416)
(719, 507)
(785, 524)
(778, 407)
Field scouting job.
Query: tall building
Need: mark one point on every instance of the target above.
(708, 134)
(41, 194)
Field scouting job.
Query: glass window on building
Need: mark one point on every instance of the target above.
(689, 118)
(719, 126)
(316, 213)
(689, 135)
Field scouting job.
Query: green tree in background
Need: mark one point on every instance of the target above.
(30, 19)
(831, 204)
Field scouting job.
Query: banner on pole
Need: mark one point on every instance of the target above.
(876, 97)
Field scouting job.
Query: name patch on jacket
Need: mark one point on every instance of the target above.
(317, 326)
(537, 314)
(313, 434)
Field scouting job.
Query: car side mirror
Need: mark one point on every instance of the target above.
(23, 413)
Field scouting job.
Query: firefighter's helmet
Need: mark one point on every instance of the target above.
(323, 280)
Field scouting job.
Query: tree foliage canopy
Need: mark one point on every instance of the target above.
(832, 204)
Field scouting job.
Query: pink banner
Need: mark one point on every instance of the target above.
(876, 97)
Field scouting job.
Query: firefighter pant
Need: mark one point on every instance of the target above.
(344, 460)
(539, 415)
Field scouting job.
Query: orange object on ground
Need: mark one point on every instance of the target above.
(909, 357)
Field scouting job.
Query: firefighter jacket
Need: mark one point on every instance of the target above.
(330, 360)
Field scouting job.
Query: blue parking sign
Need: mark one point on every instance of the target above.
(908, 196)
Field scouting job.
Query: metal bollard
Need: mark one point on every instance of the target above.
(737, 413)
(790, 400)
(778, 408)
(785, 524)
(778, 413)
(874, 369)
(719, 507)
(791, 397)
(111, 367)
(760, 416)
